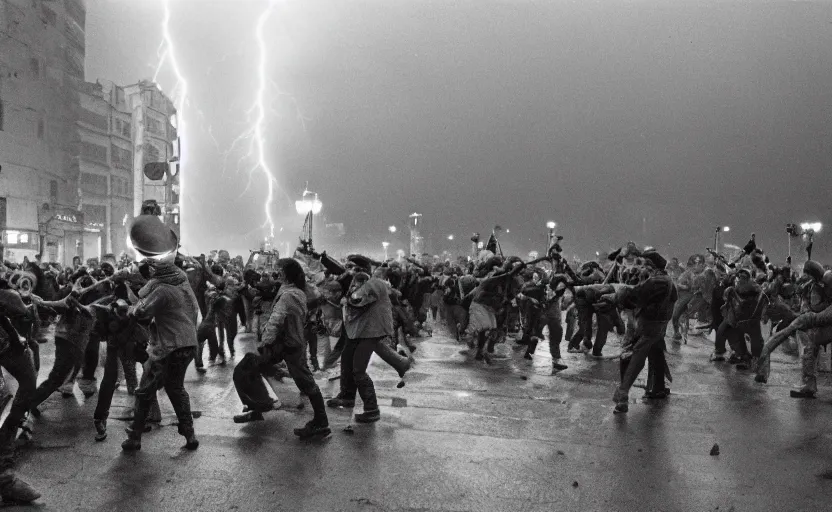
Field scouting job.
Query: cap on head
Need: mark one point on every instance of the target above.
(655, 259)
(361, 263)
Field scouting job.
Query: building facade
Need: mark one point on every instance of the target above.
(105, 128)
(42, 50)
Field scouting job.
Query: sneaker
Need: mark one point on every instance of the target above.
(18, 491)
(191, 442)
(248, 417)
(596, 355)
(368, 416)
(312, 430)
(556, 366)
(340, 402)
(100, 429)
(131, 445)
(222, 361)
(574, 350)
(621, 400)
(201, 369)
(717, 357)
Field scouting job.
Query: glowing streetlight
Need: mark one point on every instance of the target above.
(717, 231)
(309, 204)
(385, 245)
(392, 229)
(450, 237)
(811, 226)
(550, 236)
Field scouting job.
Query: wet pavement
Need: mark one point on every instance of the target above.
(461, 436)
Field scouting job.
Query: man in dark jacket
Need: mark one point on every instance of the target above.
(652, 301)
(168, 304)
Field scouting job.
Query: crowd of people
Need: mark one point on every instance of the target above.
(315, 317)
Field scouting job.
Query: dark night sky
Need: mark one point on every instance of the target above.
(619, 120)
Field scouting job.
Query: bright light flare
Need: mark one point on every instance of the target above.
(392, 229)
(551, 224)
(450, 237)
(726, 229)
(813, 226)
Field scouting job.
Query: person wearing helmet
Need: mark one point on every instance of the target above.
(168, 304)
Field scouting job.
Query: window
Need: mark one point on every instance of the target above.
(34, 65)
(53, 190)
(122, 187)
(93, 119)
(94, 152)
(122, 158)
(94, 183)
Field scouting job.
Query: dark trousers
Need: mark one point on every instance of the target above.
(553, 322)
(649, 341)
(311, 338)
(206, 332)
(337, 350)
(735, 336)
(456, 314)
(354, 362)
(18, 362)
(67, 359)
(168, 373)
(91, 358)
(115, 352)
(249, 373)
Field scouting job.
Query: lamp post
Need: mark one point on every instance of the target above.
(392, 229)
(551, 234)
(309, 205)
(809, 230)
(717, 231)
(385, 245)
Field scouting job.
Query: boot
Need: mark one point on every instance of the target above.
(191, 442)
(367, 391)
(67, 389)
(249, 416)
(100, 429)
(621, 399)
(133, 442)
(341, 401)
(368, 416)
(15, 490)
(312, 430)
(319, 426)
(88, 386)
(315, 366)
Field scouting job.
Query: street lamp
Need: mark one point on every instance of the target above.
(385, 245)
(450, 237)
(392, 229)
(309, 205)
(717, 231)
(551, 235)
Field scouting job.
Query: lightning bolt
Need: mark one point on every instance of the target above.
(167, 53)
(259, 123)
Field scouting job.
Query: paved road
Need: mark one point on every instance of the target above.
(462, 437)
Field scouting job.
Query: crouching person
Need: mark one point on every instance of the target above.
(282, 340)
